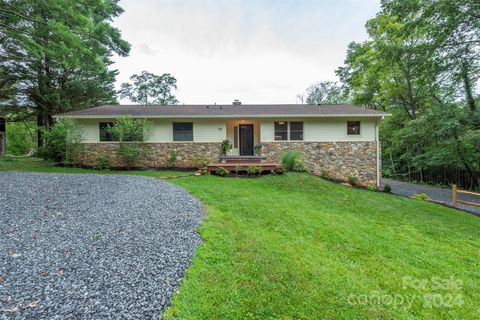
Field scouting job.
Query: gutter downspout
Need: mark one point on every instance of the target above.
(377, 141)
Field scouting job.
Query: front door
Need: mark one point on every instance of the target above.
(246, 139)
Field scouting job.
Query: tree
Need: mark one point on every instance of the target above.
(57, 54)
(325, 92)
(148, 88)
(421, 63)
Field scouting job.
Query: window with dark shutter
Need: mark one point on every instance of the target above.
(281, 130)
(296, 130)
(353, 128)
(183, 131)
(105, 134)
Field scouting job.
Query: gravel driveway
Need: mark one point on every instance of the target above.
(443, 195)
(92, 246)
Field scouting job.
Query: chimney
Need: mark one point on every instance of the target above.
(237, 102)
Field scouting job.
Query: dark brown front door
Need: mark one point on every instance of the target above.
(246, 139)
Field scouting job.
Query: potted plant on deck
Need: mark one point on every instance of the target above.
(226, 147)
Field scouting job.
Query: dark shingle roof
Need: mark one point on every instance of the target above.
(244, 110)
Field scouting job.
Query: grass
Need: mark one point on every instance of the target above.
(295, 246)
(11, 163)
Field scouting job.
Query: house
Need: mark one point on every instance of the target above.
(340, 140)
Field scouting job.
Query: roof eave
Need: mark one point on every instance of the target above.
(226, 116)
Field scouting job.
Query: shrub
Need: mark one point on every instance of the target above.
(387, 188)
(293, 161)
(102, 162)
(280, 169)
(130, 133)
(352, 180)
(257, 150)
(254, 170)
(201, 162)
(237, 169)
(325, 174)
(21, 138)
(62, 142)
(172, 159)
(221, 171)
(372, 188)
(421, 196)
(226, 146)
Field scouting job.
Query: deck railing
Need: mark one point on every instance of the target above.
(455, 200)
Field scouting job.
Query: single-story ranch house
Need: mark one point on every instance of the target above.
(339, 139)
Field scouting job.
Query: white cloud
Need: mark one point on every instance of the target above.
(257, 51)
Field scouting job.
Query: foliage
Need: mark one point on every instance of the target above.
(254, 170)
(237, 169)
(421, 196)
(63, 142)
(387, 188)
(172, 158)
(226, 147)
(201, 163)
(148, 85)
(290, 159)
(102, 162)
(372, 188)
(326, 92)
(21, 138)
(257, 149)
(55, 57)
(325, 174)
(352, 180)
(221, 171)
(280, 169)
(131, 133)
(421, 63)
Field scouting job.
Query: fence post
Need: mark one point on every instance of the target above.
(454, 195)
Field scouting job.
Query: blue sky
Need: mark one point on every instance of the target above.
(262, 51)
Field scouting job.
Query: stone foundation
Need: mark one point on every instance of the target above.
(339, 159)
(155, 154)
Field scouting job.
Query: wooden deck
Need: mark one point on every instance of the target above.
(242, 166)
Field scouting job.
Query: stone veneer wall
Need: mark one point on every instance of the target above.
(341, 159)
(156, 154)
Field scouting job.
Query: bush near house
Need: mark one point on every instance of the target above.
(131, 133)
(63, 142)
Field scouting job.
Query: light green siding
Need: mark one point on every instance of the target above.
(323, 129)
(204, 130)
(217, 130)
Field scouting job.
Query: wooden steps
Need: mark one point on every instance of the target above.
(242, 166)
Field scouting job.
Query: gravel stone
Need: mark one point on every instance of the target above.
(92, 246)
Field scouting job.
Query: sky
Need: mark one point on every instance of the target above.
(257, 51)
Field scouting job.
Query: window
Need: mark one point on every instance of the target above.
(281, 130)
(183, 131)
(105, 134)
(235, 137)
(296, 130)
(353, 128)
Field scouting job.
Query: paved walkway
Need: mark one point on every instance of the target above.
(443, 195)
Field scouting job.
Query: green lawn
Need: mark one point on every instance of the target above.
(297, 247)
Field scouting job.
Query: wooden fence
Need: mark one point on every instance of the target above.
(455, 201)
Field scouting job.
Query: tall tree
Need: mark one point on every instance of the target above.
(421, 63)
(148, 88)
(58, 53)
(325, 92)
